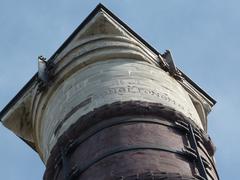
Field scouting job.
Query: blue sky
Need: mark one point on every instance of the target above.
(204, 37)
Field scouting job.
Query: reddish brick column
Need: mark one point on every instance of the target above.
(131, 140)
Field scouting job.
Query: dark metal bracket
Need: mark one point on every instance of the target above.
(65, 165)
(156, 176)
(193, 143)
(77, 171)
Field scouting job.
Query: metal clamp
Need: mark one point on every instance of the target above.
(78, 171)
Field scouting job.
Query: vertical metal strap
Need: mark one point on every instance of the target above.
(65, 165)
(193, 143)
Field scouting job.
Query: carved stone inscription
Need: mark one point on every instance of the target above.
(90, 89)
(138, 88)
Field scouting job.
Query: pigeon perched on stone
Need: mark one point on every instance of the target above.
(173, 70)
(42, 69)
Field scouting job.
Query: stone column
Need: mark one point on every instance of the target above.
(114, 109)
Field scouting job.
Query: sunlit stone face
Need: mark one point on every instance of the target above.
(102, 63)
(107, 82)
(102, 66)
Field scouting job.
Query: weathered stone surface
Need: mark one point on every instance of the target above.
(121, 80)
(104, 64)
